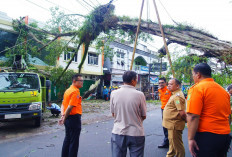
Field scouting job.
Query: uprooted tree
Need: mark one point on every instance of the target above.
(103, 21)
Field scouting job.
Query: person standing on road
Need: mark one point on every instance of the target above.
(71, 117)
(164, 95)
(128, 107)
(208, 114)
(174, 118)
(105, 93)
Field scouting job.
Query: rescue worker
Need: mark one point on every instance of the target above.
(174, 118)
(71, 117)
(208, 114)
(164, 95)
(109, 92)
(105, 93)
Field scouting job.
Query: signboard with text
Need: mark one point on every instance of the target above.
(154, 79)
(144, 68)
(155, 67)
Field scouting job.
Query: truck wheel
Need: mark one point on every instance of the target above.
(37, 121)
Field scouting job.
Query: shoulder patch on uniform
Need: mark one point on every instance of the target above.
(177, 102)
(189, 97)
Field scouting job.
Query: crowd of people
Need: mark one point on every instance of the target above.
(206, 111)
(107, 92)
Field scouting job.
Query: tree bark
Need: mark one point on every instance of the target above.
(197, 39)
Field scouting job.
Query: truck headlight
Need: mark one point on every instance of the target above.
(35, 106)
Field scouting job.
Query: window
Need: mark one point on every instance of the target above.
(120, 60)
(92, 58)
(68, 56)
(137, 63)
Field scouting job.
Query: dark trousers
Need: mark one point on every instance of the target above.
(120, 143)
(105, 97)
(54, 111)
(212, 145)
(165, 131)
(72, 134)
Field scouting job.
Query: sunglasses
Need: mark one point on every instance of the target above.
(80, 80)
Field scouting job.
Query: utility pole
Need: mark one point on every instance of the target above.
(138, 27)
(165, 43)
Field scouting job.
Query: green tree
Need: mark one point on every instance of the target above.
(65, 81)
(183, 67)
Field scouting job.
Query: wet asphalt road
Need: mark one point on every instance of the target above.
(94, 141)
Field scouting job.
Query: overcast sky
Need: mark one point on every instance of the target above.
(214, 16)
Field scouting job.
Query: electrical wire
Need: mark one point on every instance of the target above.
(82, 5)
(59, 6)
(168, 13)
(88, 4)
(92, 3)
(37, 5)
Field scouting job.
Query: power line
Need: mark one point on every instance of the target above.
(92, 3)
(59, 6)
(82, 5)
(88, 4)
(37, 5)
(168, 13)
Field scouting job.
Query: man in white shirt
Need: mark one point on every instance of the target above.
(128, 107)
(54, 108)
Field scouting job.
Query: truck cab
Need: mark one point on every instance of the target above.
(22, 96)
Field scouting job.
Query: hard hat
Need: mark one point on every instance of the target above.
(104, 86)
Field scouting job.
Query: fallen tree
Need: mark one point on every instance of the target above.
(102, 20)
(186, 36)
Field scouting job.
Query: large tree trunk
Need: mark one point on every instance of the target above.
(185, 35)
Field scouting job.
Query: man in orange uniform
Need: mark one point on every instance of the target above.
(164, 95)
(208, 113)
(71, 117)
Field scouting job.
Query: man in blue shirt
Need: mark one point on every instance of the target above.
(54, 108)
(105, 93)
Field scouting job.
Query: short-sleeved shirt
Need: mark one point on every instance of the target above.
(105, 91)
(54, 107)
(164, 95)
(72, 97)
(171, 117)
(128, 106)
(209, 100)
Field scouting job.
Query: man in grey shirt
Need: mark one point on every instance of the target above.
(128, 107)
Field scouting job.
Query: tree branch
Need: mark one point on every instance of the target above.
(36, 39)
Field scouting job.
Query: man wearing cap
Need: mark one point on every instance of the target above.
(174, 118)
(208, 114)
(164, 95)
(105, 93)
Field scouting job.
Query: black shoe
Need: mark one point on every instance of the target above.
(163, 145)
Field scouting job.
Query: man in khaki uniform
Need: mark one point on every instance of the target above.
(174, 118)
